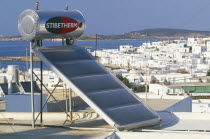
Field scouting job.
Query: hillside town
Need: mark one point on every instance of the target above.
(174, 67)
(168, 67)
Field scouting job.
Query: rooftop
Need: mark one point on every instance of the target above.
(195, 124)
(188, 84)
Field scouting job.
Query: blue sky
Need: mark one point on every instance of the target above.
(117, 16)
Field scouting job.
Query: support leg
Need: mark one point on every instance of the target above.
(71, 105)
(32, 86)
(41, 89)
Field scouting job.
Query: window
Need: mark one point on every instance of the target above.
(174, 79)
(161, 79)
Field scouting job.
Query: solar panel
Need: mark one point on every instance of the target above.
(27, 87)
(4, 87)
(110, 98)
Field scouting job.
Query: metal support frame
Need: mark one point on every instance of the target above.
(69, 105)
(51, 95)
(68, 93)
(69, 100)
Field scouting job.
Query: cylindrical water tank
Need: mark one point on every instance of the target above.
(38, 24)
(13, 70)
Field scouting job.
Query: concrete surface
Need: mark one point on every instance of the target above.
(10, 129)
(158, 135)
(160, 104)
(26, 132)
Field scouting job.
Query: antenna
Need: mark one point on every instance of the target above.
(37, 5)
(96, 44)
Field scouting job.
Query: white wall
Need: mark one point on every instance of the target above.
(158, 89)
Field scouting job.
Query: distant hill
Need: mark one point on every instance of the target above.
(169, 32)
(157, 33)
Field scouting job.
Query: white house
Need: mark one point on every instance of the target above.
(126, 48)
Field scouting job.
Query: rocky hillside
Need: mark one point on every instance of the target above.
(158, 33)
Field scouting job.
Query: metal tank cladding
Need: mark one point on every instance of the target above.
(38, 24)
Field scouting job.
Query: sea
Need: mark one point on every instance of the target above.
(21, 48)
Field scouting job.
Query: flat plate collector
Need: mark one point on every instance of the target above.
(102, 91)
